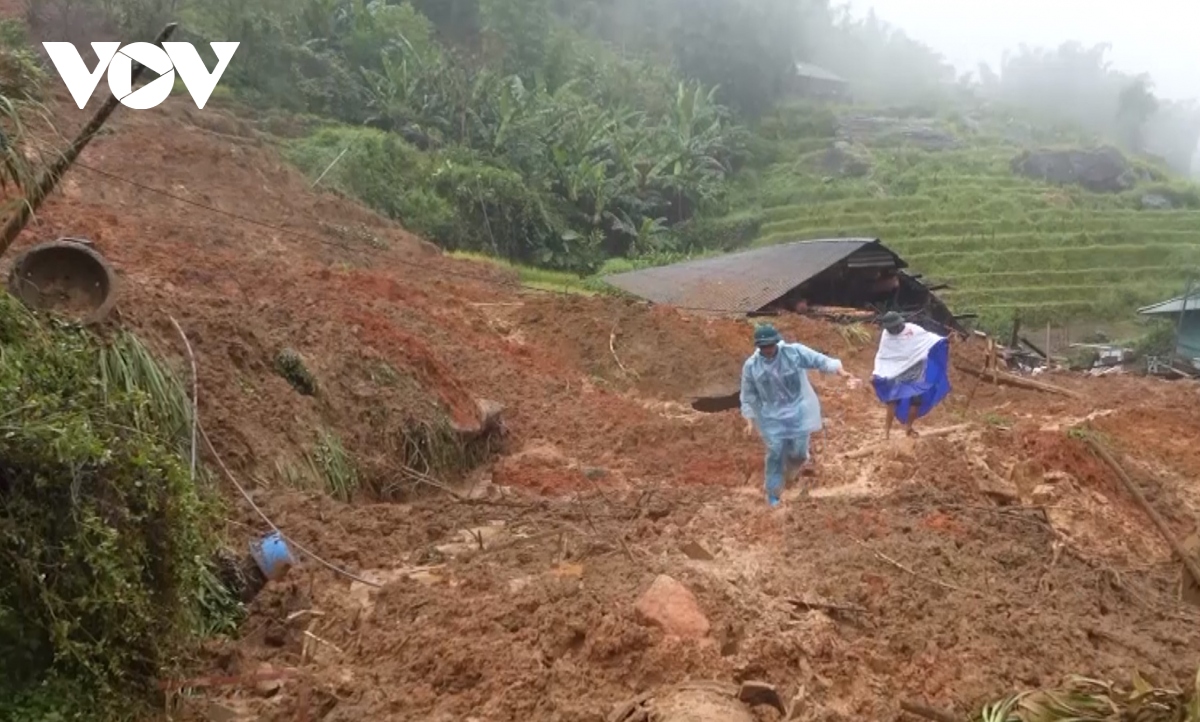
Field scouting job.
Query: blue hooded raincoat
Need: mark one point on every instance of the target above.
(778, 397)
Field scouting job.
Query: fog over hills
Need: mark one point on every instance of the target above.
(1154, 36)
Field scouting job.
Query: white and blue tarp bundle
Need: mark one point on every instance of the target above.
(912, 365)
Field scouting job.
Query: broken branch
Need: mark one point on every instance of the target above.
(825, 606)
(325, 642)
(225, 681)
(908, 570)
(612, 347)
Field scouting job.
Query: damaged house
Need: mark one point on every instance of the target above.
(813, 81)
(832, 277)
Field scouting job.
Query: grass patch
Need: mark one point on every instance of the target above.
(334, 466)
(538, 278)
(291, 367)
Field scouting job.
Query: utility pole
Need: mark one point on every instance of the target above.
(48, 180)
(1187, 291)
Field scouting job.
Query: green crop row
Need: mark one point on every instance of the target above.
(1116, 276)
(969, 220)
(961, 234)
(1131, 256)
(997, 318)
(1148, 292)
(1012, 242)
(952, 200)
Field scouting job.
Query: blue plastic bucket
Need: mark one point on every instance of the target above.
(272, 555)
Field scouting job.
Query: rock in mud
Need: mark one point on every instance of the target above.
(1189, 588)
(756, 693)
(1044, 494)
(671, 606)
(269, 680)
(696, 551)
(925, 133)
(490, 420)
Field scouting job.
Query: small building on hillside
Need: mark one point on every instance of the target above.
(812, 81)
(1184, 313)
(819, 277)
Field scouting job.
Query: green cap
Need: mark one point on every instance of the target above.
(891, 319)
(766, 335)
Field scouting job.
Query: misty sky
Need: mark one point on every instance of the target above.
(1154, 36)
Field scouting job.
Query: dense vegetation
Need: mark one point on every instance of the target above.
(567, 134)
(105, 548)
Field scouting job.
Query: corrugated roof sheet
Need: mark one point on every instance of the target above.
(809, 70)
(1175, 305)
(738, 282)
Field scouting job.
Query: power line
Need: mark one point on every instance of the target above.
(296, 234)
(419, 266)
(316, 239)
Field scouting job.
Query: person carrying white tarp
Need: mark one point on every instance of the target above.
(911, 371)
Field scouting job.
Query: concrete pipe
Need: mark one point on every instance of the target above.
(66, 277)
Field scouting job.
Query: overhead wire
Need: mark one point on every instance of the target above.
(427, 268)
(195, 426)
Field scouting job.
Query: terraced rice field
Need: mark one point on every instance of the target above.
(1003, 242)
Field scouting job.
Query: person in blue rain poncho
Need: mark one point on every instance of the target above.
(910, 374)
(778, 400)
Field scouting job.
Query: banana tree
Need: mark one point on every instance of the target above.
(645, 235)
(690, 170)
(21, 82)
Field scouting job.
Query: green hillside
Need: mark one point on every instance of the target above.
(581, 137)
(963, 216)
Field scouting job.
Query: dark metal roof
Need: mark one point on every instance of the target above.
(742, 282)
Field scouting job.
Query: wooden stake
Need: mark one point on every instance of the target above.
(909, 570)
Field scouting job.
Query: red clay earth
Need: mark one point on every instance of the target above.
(965, 600)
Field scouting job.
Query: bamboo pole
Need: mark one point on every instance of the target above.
(50, 177)
(1187, 291)
(1188, 562)
(1000, 377)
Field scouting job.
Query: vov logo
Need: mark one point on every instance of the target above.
(165, 61)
